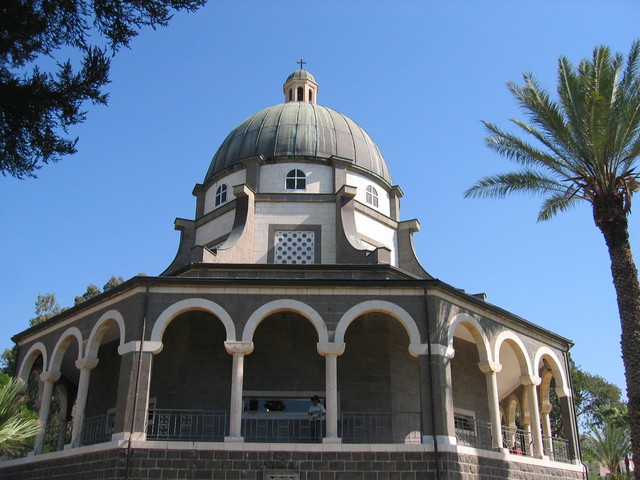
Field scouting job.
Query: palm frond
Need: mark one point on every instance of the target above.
(15, 427)
(587, 138)
(556, 203)
(516, 149)
(501, 185)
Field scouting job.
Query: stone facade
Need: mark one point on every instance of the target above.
(192, 463)
(301, 281)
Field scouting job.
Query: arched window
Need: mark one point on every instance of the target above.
(371, 196)
(300, 94)
(296, 180)
(310, 96)
(291, 95)
(221, 194)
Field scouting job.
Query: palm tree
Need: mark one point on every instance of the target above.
(16, 427)
(583, 146)
(608, 447)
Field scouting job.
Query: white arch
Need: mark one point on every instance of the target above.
(521, 351)
(562, 386)
(513, 402)
(182, 306)
(471, 324)
(389, 308)
(289, 306)
(61, 347)
(30, 358)
(99, 329)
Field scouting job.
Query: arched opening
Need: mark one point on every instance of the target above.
(516, 434)
(190, 383)
(300, 94)
(30, 371)
(554, 410)
(280, 376)
(63, 396)
(378, 383)
(469, 389)
(102, 394)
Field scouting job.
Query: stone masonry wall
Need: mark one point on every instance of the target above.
(258, 465)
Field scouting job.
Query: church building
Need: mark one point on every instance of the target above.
(296, 278)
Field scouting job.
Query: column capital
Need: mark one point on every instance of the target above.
(50, 376)
(417, 349)
(137, 347)
(88, 363)
(490, 367)
(528, 380)
(238, 347)
(546, 408)
(325, 349)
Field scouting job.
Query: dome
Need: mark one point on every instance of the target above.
(301, 74)
(299, 129)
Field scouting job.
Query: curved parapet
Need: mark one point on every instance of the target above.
(407, 258)
(187, 231)
(350, 249)
(238, 247)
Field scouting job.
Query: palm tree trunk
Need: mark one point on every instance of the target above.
(612, 221)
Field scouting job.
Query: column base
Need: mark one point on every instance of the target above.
(233, 439)
(441, 439)
(332, 440)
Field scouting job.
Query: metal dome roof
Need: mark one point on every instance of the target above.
(300, 74)
(299, 129)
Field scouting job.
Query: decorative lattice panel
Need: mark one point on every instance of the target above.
(294, 247)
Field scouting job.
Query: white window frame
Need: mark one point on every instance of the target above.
(371, 196)
(221, 195)
(299, 179)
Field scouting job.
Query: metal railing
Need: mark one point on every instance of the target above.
(556, 448)
(473, 433)
(97, 429)
(517, 441)
(56, 435)
(191, 425)
(380, 427)
(292, 428)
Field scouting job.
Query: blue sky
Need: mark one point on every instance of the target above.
(418, 76)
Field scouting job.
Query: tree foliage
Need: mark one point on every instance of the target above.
(584, 145)
(92, 291)
(596, 399)
(112, 283)
(17, 425)
(46, 307)
(38, 104)
(608, 446)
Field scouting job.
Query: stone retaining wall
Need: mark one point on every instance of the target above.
(273, 465)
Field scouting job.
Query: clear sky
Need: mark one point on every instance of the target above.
(418, 76)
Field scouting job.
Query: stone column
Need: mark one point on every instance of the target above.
(48, 380)
(546, 426)
(568, 423)
(238, 350)
(330, 351)
(490, 370)
(133, 391)
(436, 395)
(85, 365)
(530, 383)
